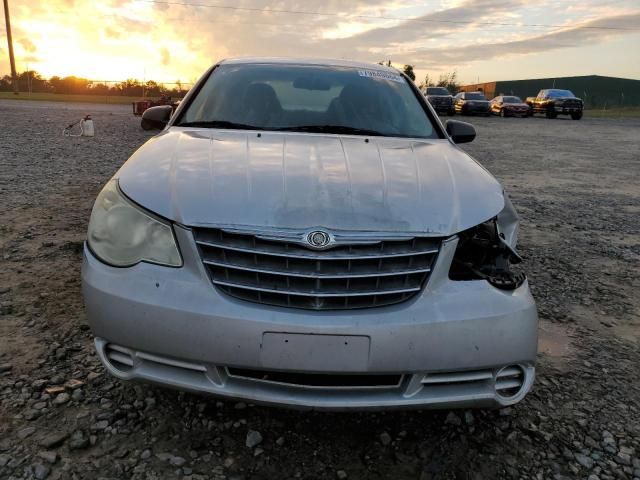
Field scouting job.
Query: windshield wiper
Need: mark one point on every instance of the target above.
(294, 128)
(218, 124)
(330, 129)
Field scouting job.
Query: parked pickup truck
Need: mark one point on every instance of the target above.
(440, 99)
(553, 102)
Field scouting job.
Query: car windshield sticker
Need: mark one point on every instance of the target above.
(383, 75)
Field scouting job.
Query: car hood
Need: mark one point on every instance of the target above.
(235, 179)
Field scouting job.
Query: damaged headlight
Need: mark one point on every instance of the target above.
(122, 234)
(486, 252)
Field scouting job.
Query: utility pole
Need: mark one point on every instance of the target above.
(14, 76)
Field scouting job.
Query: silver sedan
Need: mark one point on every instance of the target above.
(307, 234)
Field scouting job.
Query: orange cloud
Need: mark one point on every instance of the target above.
(119, 39)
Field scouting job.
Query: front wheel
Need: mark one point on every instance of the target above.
(551, 113)
(503, 113)
(576, 115)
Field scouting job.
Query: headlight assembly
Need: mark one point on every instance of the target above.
(122, 234)
(487, 251)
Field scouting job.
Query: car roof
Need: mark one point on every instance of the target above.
(329, 62)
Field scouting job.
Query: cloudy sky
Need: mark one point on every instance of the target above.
(178, 39)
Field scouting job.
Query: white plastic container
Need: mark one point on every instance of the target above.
(86, 126)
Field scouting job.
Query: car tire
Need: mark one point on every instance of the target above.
(503, 113)
(576, 115)
(551, 113)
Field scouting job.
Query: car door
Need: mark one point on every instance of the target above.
(496, 104)
(541, 98)
(458, 100)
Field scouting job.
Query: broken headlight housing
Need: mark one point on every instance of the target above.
(485, 252)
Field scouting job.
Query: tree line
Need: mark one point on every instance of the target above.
(32, 81)
(447, 80)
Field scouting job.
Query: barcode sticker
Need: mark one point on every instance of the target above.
(379, 74)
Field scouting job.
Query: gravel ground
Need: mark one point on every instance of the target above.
(575, 185)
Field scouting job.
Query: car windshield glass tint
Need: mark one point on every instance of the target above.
(437, 91)
(511, 100)
(310, 99)
(474, 96)
(559, 93)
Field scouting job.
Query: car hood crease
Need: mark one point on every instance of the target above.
(284, 180)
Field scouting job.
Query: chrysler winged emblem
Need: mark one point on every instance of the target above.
(318, 239)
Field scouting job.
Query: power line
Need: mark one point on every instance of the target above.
(199, 21)
(376, 17)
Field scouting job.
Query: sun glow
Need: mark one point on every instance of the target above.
(102, 42)
(165, 41)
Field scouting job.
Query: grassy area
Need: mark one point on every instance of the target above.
(613, 112)
(59, 97)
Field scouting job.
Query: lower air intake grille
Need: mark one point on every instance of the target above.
(318, 379)
(119, 357)
(287, 274)
(509, 381)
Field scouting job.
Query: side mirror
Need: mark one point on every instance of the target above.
(156, 117)
(460, 132)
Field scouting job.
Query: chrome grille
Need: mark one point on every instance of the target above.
(572, 103)
(285, 273)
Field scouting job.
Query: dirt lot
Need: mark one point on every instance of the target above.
(576, 186)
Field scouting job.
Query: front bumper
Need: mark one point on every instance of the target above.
(442, 107)
(518, 111)
(567, 110)
(172, 327)
(472, 109)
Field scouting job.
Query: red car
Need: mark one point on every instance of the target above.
(509, 106)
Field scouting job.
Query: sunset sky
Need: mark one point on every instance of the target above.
(178, 39)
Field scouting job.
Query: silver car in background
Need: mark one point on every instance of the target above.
(306, 233)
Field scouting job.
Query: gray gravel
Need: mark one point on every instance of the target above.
(574, 183)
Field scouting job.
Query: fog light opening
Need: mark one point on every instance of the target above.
(510, 382)
(120, 358)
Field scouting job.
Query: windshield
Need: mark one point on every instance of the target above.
(511, 100)
(437, 91)
(474, 96)
(559, 93)
(308, 98)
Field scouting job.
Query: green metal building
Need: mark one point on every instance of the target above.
(596, 91)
